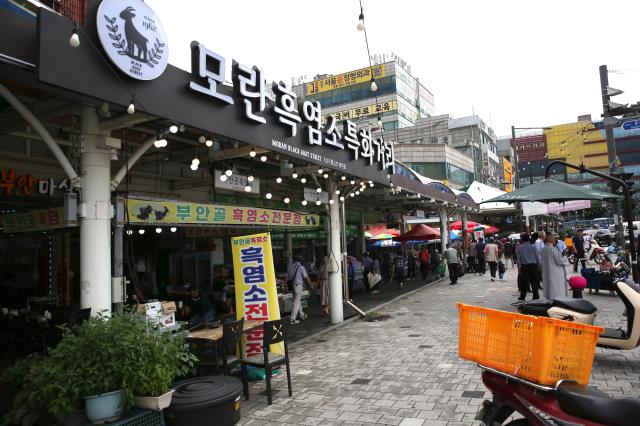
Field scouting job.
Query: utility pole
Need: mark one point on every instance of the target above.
(609, 121)
(514, 178)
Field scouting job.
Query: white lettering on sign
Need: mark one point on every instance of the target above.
(249, 84)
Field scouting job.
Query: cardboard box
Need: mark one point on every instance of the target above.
(162, 314)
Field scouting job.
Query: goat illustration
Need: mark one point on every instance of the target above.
(160, 215)
(145, 212)
(135, 40)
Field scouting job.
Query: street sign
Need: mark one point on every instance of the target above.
(629, 125)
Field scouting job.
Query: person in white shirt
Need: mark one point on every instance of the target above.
(298, 274)
(540, 242)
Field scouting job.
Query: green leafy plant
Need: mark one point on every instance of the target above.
(102, 355)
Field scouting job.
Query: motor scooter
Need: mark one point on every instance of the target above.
(584, 312)
(595, 253)
(565, 404)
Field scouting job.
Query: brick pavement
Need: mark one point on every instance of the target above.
(406, 370)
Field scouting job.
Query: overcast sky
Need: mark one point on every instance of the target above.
(514, 62)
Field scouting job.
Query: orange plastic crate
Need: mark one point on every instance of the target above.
(539, 349)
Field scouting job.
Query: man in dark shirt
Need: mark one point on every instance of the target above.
(480, 256)
(578, 246)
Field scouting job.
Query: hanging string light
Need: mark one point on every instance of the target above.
(268, 195)
(278, 179)
(74, 40)
(252, 154)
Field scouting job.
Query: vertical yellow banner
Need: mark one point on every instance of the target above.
(255, 285)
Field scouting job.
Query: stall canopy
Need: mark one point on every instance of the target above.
(474, 226)
(419, 233)
(482, 193)
(549, 190)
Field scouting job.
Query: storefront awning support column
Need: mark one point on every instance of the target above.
(335, 256)
(463, 233)
(444, 228)
(95, 218)
(43, 133)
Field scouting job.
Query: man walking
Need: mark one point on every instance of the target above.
(452, 259)
(578, 246)
(424, 262)
(509, 251)
(297, 274)
(528, 268)
(491, 254)
(542, 236)
(480, 256)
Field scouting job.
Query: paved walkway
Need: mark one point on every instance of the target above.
(406, 370)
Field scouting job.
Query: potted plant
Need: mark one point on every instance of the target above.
(159, 358)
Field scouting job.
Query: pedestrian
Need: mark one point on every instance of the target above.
(561, 246)
(399, 268)
(472, 263)
(375, 270)
(411, 264)
(540, 242)
(509, 251)
(366, 268)
(528, 268)
(351, 275)
(453, 259)
(482, 268)
(423, 257)
(297, 274)
(554, 280)
(323, 284)
(491, 255)
(578, 246)
(501, 269)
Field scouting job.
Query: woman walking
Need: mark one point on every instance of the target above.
(323, 284)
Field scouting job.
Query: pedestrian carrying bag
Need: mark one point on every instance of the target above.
(291, 281)
(374, 279)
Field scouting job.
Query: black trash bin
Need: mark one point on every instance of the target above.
(209, 400)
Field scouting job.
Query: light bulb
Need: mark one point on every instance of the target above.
(320, 171)
(158, 143)
(129, 231)
(173, 128)
(337, 192)
(223, 178)
(341, 198)
(263, 158)
(379, 121)
(331, 201)
(357, 192)
(131, 108)
(194, 166)
(371, 184)
(195, 161)
(201, 139)
(252, 153)
(343, 177)
(247, 188)
(352, 195)
(158, 230)
(326, 176)
(360, 25)
(173, 229)
(294, 175)
(268, 195)
(318, 202)
(250, 178)
(304, 202)
(74, 40)
(319, 190)
(286, 200)
(208, 143)
(278, 179)
(303, 180)
(140, 231)
(352, 182)
(182, 128)
(228, 172)
(374, 86)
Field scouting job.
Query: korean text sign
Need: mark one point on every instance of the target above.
(255, 285)
(177, 212)
(350, 78)
(35, 220)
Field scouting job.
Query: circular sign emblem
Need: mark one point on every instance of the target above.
(133, 37)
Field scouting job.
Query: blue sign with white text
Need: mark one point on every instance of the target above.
(628, 125)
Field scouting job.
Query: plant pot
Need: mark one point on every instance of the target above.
(103, 408)
(157, 403)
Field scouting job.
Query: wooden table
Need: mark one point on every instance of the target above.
(215, 334)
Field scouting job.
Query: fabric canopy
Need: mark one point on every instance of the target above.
(549, 190)
(473, 226)
(419, 233)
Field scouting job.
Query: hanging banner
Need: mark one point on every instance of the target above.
(345, 79)
(185, 213)
(569, 206)
(255, 285)
(364, 111)
(35, 220)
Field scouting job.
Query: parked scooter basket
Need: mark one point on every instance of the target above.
(543, 350)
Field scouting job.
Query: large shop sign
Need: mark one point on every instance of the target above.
(202, 98)
(13, 183)
(35, 220)
(151, 212)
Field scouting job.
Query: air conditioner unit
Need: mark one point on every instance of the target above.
(446, 140)
(435, 139)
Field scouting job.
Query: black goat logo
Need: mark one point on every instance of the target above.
(134, 44)
(161, 214)
(145, 212)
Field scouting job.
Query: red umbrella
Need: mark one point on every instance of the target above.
(471, 225)
(419, 233)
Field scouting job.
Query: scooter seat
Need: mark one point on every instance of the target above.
(591, 404)
(577, 305)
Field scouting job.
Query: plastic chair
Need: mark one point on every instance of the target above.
(231, 338)
(273, 332)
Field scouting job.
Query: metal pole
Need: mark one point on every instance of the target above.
(345, 263)
(515, 178)
(611, 155)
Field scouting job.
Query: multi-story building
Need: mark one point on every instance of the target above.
(399, 101)
(458, 150)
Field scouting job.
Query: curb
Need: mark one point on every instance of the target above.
(357, 317)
